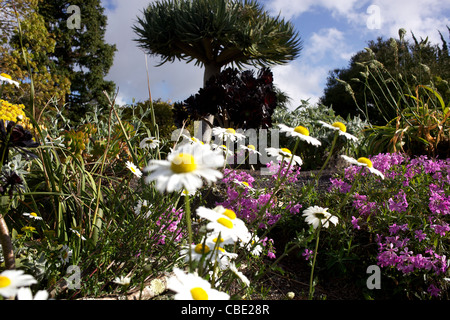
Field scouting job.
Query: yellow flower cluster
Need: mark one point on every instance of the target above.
(14, 112)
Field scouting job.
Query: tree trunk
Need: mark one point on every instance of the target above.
(204, 129)
(5, 241)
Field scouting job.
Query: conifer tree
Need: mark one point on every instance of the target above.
(81, 53)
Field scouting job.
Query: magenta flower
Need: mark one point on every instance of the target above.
(307, 254)
(433, 291)
(355, 223)
(399, 204)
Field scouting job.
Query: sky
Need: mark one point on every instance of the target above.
(331, 32)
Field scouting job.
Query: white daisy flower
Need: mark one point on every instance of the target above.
(132, 167)
(25, 293)
(284, 154)
(12, 280)
(316, 215)
(7, 78)
(198, 251)
(225, 222)
(77, 233)
(210, 252)
(185, 167)
(340, 128)
(189, 286)
(363, 162)
(32, 215)
(143, 207)
(190, 140)
(216, 238)
(149, 143)
(222, 148)
(253, 244)
(65, 254)
(239, 274)
(299, 132)
(250, 148)
(123, 281)
(187, 193)
(227, 134)
(244, 184)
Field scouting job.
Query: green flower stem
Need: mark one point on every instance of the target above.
(187, 206)
(333, 144)
(311, 278)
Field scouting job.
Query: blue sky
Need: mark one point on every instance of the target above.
(331, 31)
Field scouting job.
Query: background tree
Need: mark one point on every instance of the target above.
(215, 33)
(81, 54)
(409, 63)
(236, 99)
(37, 43)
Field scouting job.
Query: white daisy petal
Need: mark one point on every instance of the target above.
(189, 286)
(185, 167)
(12, 280)
(7, 79)
(135, 170)
(284, 154)
(316, 215)
(363, 162)
(300, 132)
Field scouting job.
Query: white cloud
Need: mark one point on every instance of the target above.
(294, 8)
(300, 82)
(305, 78)
(176, 81)
(329, 44)
(424, 18)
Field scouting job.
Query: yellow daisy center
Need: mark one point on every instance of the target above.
(250, 146)
(7, 76)
(4, 282)
(340, 125)
(302, 130)
(183, 163)
(201, 249)
(286, 150)
(366, 161)
(215, 240)
(229, 213)
(231, 130)
(33, 214)
(245, 183)
(225, 222)
(319, 215)
(199, 294)
(196, 140)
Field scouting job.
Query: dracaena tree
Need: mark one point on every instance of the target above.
(216, 33)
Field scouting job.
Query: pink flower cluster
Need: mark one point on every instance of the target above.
(248, 204)
(413, 218)
(394, 252)
(168, 224)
